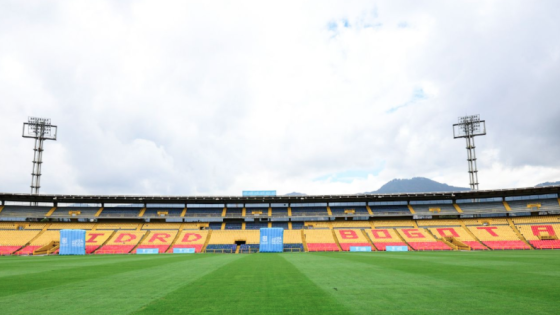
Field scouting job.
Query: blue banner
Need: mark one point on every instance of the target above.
(272, 240)
(72, 242)
(147, 251)
(396, 248)
(360, 248)
(183, 251)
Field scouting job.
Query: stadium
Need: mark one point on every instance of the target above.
(458, 246)
(221, 157)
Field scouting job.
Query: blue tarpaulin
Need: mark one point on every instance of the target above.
(360, 248)
(396, 248)
(272, 240)
(72, 242)
(147, 251)
(183, 250)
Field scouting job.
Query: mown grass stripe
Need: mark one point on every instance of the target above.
(41, 264)
(21, 283)
(119, 293)
(405, 286)
(256, 284)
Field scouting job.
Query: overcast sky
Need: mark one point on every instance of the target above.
(320, 97)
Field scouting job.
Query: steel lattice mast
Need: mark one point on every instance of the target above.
(39, 129)
(468, 128)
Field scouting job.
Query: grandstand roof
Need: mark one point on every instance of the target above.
(125, 199)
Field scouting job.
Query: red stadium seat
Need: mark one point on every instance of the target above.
(506, 244)
(28, 250)
(8, 250)
(475, 245)
(429, 246)
(322, 247)
(115, 249)
(91, 248)
(547, 244)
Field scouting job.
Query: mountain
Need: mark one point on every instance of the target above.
(548, 184)
(415, 185)
(295, 194)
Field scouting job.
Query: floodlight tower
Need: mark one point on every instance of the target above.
(468, 128)
(39, 129)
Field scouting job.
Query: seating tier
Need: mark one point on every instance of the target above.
(547, 244)
(322, 247)
(115, 249)
(8, 250)
(429, 246)
(506, 244)
(231, 236)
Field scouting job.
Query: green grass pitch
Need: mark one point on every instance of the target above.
(509, 282)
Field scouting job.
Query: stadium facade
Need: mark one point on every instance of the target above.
(524, 219)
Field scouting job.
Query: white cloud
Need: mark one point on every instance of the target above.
(215, 97)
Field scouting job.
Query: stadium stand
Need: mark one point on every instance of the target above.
(483, 207)
(456, 235)
(160, 239)
(389, 210)
(537, 219)
(256, 212)
(21, 226)
(430, 209)
(77, 212)
(532, 205)
(384, 237)
(350, 224)
(297, 225)
(543, 236)
(221, 248)
(190, 239)
(351, 237)
(393, 223)
(309, 212)
(255, 225)
(234, 212)
(422, 239)
(215, 225)
(234, 225)
(24, 212)
(498, 237)
(279, 211)
(513, 224)
(320, 241)
(120, 212)
(162, 226)
(438, 222)
(204, 212)
(11, 241)
(283, 225)
(122, 242)
(232, 236)
(163, 212)
(293, 241)
(42, 239)
(69, 225)
(94, 239)
(349, 210)
(116, 226)
(249, 248)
